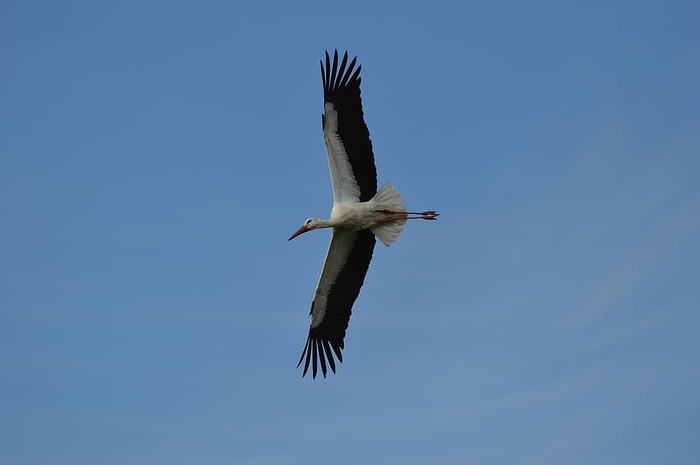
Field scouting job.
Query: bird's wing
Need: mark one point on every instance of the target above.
(343, 273)
(350, 156)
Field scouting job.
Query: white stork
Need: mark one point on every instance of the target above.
(359, 213)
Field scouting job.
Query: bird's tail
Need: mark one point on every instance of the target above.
(388, 198)
(388, 195)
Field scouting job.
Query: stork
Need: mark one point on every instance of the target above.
(359, 213)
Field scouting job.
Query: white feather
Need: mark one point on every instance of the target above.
(388, 198)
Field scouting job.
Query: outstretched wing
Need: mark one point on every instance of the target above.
(350, 156)
(344, 271)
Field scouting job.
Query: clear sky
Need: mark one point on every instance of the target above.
(155, 156)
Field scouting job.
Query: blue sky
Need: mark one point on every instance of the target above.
(155, 156)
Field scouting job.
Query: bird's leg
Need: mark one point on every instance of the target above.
(426, 215)
(399, 215)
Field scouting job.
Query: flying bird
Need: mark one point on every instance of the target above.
(359, 213)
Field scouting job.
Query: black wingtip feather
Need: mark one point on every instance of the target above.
(337, 349)
(334, 70)
(347, 77)
(323, 73)
(307, 349)
(314, 359)
(356, 76)
(329, 355)
(342, 66)
(321, 356)
(326, 83)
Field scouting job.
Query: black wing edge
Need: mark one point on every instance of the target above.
(328, 338)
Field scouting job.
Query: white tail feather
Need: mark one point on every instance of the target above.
(388, 198)
(388, 195)
(388, 232)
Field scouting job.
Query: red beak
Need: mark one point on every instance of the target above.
(301, 230)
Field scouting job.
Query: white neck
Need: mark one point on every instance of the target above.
(324, 223)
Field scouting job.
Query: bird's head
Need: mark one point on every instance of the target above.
(310, 224)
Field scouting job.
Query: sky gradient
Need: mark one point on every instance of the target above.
(155, 156)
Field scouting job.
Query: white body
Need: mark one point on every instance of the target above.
(356, 216)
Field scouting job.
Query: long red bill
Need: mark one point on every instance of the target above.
(301, 230)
